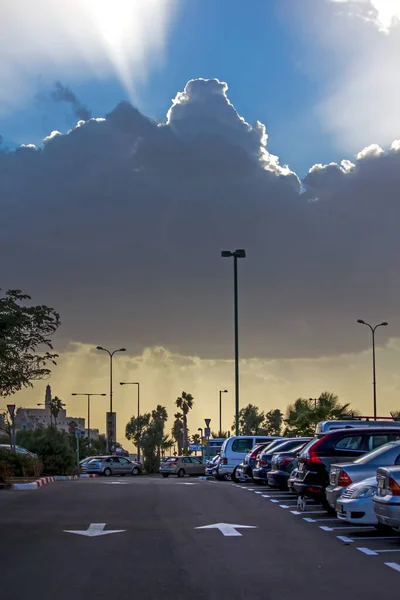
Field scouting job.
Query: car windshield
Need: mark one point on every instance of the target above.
(370, 456)
(308, 446)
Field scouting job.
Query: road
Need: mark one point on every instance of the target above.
(161, 554)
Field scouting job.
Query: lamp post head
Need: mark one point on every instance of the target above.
(361, 321)
(74, 394)
(384, 323)
(122, 350)
(122, 383)
(226, 253)
(224, 391)
(240, 253)
(102, 394)
(99, 348)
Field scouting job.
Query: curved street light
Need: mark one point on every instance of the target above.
(373, 329)
(110, 426)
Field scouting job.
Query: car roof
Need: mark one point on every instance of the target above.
(357, 430)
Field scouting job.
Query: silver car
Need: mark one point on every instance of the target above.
(112, 465)
(344, 474)
(387, 498)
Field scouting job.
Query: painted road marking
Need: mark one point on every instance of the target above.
(344, 539)
(94, 530)
(227, 529)
(325, 528)
(318, 520)
(284, 506)
(274, 501)
(295, 512)
(367, 551)
(186, 484)
(258, 492)
(394, 566)
(377, 537)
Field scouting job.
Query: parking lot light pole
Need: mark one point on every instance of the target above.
(110, 354)
(373, 329)
(88, 408)
(220, 410)
(138, 404)
(239, 253)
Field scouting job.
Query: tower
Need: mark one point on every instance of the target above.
(47, 398)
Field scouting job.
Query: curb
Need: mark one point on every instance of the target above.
(33, 485)
(87, 475)
(65, 477)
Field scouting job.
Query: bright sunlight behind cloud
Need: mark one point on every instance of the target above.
(81, 37)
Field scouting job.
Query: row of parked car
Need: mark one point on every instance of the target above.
(350, 467)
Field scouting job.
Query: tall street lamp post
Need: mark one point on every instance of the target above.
(240, 253)
(220, 410)
(373, 329)
(111, 425)
(88, 408)
(138, 404)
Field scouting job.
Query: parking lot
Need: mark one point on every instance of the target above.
(158, 538)
(367, 540)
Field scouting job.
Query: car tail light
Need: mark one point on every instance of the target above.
(284, 462)
(224, 461)
(344, 479)
(394, 487)
(312, 456)
(264, 462)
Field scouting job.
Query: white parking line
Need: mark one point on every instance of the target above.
(370, 552)
(394, 566)
(258, 492)
(266, 496)
(284, 506)
(318, 520)
(381, 537)
(326, 528)
(344, 539)
(271, 500)
(296, 512)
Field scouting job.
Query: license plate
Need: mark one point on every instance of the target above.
(301, 467)
(381, 483)
(339, 507)
(333, 478)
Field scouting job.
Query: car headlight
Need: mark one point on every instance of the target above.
(364, 492)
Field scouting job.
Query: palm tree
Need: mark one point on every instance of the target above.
(395, 414)
(176, 431)
(55, 407)
(167, 444)
(185, 403)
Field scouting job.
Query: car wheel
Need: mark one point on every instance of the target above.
(181, 473)
(135, 471)
(164, 475)
(107, 472)
(228, 477)
(234, 478)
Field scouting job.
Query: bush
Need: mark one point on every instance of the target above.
(13, 464)
(53, 447)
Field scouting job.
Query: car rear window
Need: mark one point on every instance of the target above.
(350, 442)
(242, 445)
(171, 459)
(308, 446)
(366, 458)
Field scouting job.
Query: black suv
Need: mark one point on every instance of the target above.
(341, 445)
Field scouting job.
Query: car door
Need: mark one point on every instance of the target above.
(197, 466)
(115, 465)
(125, 466)
(187, 465)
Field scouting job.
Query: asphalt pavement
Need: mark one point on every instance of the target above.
(158, 552)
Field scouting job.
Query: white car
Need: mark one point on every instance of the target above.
(356, 505)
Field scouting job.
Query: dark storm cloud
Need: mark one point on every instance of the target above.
(119, 224)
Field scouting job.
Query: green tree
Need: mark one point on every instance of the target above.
(24, 330)
(220, 434)
(136, 427)
(185, 403)
(395, 414)
(53, 447)
(273, 422)
(302, 416)
(177, 431)
(56, 405)
(250, 421)
(5, 426)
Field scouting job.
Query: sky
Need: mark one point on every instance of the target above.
(139, 139)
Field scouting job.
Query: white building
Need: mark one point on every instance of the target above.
(32, 418)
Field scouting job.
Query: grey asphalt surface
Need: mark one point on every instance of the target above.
(161, 555)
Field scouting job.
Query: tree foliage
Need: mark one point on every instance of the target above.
(250, 421)
(302, 416)
(177, 431)
(185, 404)
(149, 429)
(53, 447)
(24, 331)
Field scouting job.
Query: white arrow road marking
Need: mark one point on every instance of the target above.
(228, 529)
(94, 530)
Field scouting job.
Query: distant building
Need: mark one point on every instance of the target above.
(33, 418)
